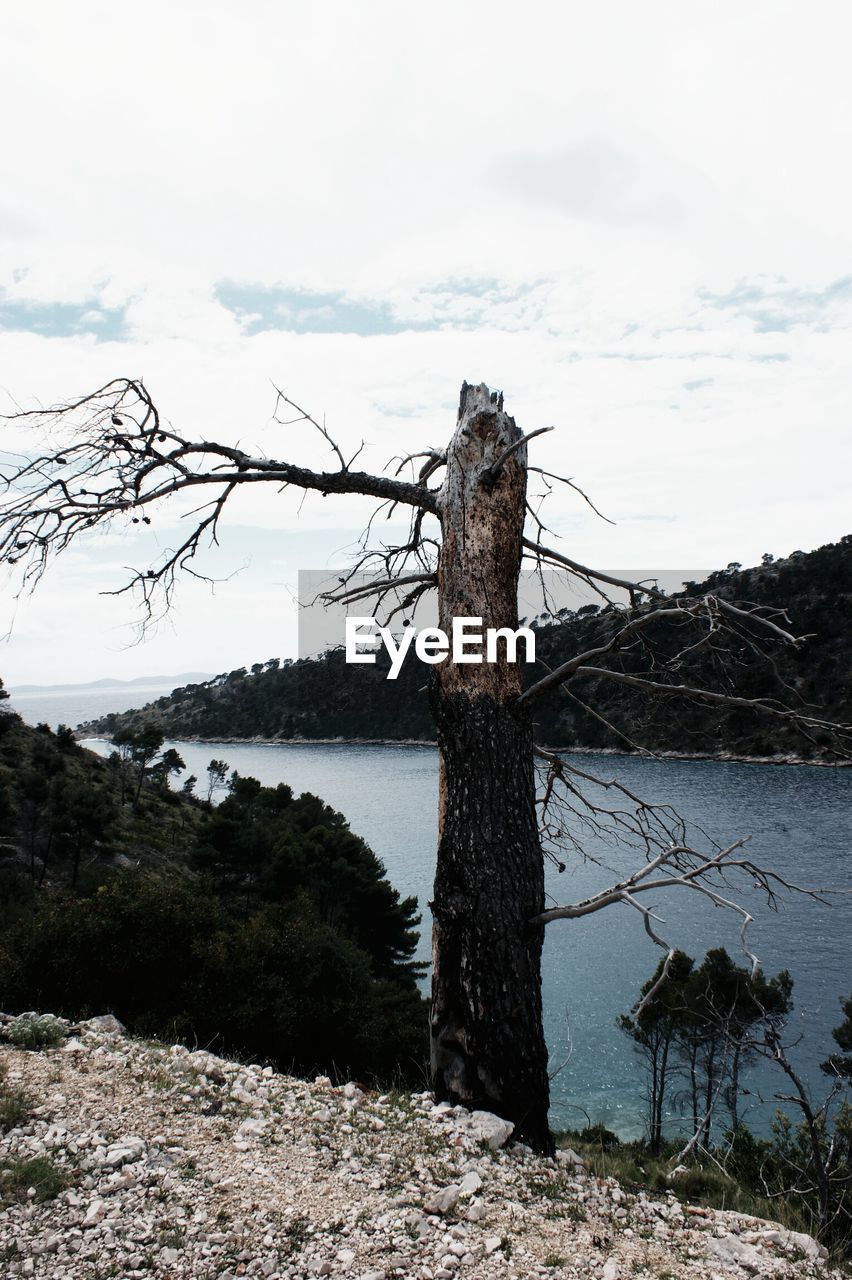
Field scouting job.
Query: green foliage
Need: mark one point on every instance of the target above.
(35, 1031)
(62, 820)
(698, 1024)
(840, 1064)
(41, 1175)
(709, 1023)
(172, 962)
(262, 845)
(326, 698)
(597, 1135)
(15, 1105)
(264, 925)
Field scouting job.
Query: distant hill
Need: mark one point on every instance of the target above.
(326, 698)
(138, 682)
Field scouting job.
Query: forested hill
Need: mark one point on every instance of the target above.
(227, 925)
(326, 698)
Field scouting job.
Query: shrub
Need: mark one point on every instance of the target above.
(40, 1174)
(14, 1104)
(35, 1031)
(172, 963)
(596, 1135)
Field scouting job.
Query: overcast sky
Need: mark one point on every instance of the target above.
(634, 219)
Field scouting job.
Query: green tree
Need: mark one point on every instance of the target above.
(723, 1002)
(138, 748)
(217, 777)
(82, 817)
(840, 1064)
(169, 763)
(654, 1029)
(698, 1022)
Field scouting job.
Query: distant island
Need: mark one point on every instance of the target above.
(325, 699)
(141, 682)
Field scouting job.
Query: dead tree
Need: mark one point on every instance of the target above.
(110, 457)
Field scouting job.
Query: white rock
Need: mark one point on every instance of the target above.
(491, 1129)
(610, 1271)
(443, 1201)
(105, 1024)
(492, 1244)
(734, 1251)
(252, 1128)
(798, 1240)
(123, 1152)
(470, 1184)
(346, 1257)
(565, 1155)
(95, 1213)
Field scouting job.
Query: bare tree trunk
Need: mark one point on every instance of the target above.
(734, 1106)
(660, 1091)
(488, 1048)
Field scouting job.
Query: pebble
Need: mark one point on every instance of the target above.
(180, 1164)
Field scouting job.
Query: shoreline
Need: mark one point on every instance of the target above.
(723, 757)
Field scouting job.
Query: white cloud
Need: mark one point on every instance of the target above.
(634, 220)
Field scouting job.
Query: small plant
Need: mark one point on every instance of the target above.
(40, 1174)
(554, 1260)
(35, 1031)
(14, 1109)
(596, 1135)
(172, 1237)
(14, 1104)
(296, 1230)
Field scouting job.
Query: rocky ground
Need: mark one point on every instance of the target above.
(170, 1163)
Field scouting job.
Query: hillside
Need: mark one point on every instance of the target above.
(117, 891)
(326, 698)
(61, 816)
(141, 1160)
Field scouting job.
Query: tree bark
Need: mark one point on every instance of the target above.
(487, 1040)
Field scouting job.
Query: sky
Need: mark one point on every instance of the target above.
(633, 219)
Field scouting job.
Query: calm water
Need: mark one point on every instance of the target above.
(74, 706)
(800, 821)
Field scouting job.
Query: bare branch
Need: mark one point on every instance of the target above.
(115, 458)
(548, 555)
(490, 474)
(549, 475)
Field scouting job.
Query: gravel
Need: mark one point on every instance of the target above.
(183, 1164)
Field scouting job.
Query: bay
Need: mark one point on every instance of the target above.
(798, 818)
(800, 823)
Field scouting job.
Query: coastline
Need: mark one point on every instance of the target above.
(722, 757)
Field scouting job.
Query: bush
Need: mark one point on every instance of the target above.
(17, 1177)
(596, 1135)
(172, 963)
(35, 1031)
(14, 1104)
